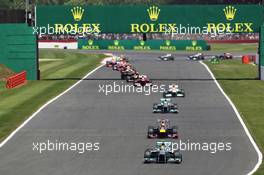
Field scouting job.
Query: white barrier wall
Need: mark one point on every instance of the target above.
(57, 45)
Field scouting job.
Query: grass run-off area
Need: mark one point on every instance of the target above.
(239, 83)
(234, 47)
(18, 104)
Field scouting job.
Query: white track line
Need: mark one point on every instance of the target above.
(260, 156)
(45, 105)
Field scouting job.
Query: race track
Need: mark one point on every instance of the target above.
(119, 122)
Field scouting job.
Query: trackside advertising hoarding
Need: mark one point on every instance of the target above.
(150, 19)
(166, 45)
(19, 49)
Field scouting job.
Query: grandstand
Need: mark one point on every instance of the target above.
(254, 37)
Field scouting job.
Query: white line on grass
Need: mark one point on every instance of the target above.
(260, 156)
(45, 105)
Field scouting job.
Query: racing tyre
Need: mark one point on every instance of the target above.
(150, 131)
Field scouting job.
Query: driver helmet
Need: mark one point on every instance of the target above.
(163, 123)
(162, 146)
(174, 86)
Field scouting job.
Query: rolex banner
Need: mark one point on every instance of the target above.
(166, 45)
(149, 19)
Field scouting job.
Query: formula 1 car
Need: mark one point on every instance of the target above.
(112, 62)
(225, 56)
(118, 65)
(127, 73)
(165, 106)
(142, 80)
(132, 77)
(162, 154)
(173, 91)
(163, 130)
(167, 57)
(124, 58)
(196, 57)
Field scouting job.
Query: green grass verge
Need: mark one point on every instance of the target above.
(18, 104)
(237, 47)
(5, 72)
(246, 93)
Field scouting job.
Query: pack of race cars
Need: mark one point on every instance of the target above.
(201, 56)
(162, 151)
(128, 72)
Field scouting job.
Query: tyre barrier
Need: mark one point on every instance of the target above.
(16, 80)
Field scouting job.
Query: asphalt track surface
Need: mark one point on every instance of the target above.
(119, 122)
